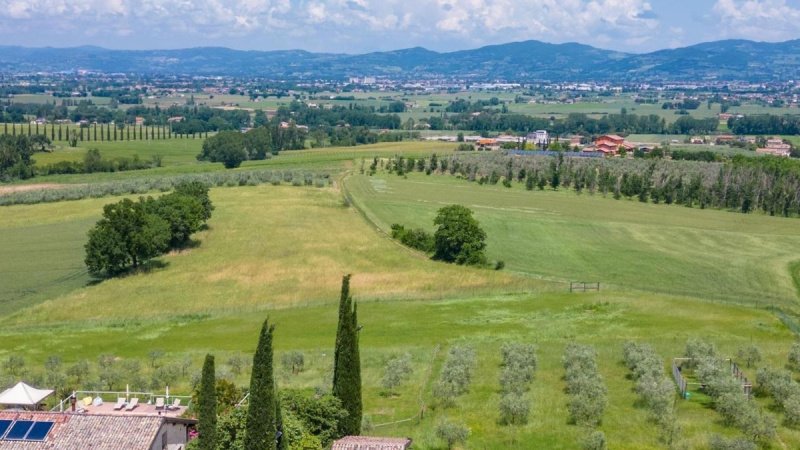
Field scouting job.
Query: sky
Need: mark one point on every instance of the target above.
(360, 26)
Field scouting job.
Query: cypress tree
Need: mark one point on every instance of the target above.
(344, 305)
(347, 370)
(261, 424)
(207, 407)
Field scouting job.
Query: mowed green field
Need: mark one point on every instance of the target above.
(280, 251)
(567, 237)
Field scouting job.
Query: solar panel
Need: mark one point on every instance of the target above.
(4, 426)
(19, 430)
(39, 431)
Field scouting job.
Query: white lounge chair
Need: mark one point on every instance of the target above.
(176, 404)
(133, 404)
(121, 402)
(159, 402)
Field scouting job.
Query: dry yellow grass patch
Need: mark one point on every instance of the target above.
(274, 247)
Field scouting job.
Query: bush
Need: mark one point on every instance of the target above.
(293, 362)
(595, 441)
(587, 391)
(451, 432)
(794, 357)
(397, 370)
(720, 443)
(417, 238)
(514, 409)
(456, 374)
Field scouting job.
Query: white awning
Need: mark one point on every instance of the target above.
(25, 395)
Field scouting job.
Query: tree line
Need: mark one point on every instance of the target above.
(231, 148)
(768, 124)
(744, 184)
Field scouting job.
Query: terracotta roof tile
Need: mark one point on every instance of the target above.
(88, 431)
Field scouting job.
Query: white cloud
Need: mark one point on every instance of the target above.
(758, 19)
(364, 25)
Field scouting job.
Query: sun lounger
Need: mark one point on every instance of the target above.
(133, 404)
(120, 403)
(159, 402)
(176, 404)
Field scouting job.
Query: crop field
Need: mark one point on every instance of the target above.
(668, 273)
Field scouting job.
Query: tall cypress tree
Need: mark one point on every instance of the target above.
(347, 370)
(344, 306)
(207, 407)
(261, 424)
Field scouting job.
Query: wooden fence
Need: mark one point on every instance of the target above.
(683, 384)
(582, 286)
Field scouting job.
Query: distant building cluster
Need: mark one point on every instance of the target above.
(776, 147)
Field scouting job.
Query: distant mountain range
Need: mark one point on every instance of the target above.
(517, 61)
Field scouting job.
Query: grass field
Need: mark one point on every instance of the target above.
(564, 236)
(281, 251)
(668, 273)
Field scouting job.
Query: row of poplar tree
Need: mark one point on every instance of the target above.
(264, 428)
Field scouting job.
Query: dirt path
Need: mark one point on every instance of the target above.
(4, 190)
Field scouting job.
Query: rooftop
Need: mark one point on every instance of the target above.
(72, 431)
(371, 443)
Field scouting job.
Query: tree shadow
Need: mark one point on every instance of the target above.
(150, 266)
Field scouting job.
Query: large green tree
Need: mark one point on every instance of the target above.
(261, 411)
(347, 364)
(15, 157)
(126, 236)
(258, 142)
(198, 190)
(459, 238)
(185, 215)
(207, 408)
(227, 147)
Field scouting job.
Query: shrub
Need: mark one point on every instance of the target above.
(595, 441)
(456, 374)
(514, 409)
(397, 370)
(587, 391)
(417, 238)
(451, 432)
(720, 443)
(794, 357)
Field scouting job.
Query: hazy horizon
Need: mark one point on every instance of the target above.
(363, 26)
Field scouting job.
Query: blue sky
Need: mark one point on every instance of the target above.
(356, 26)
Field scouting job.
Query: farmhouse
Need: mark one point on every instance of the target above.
(776, 147)
(610, 144)
(32, 430)
(371, 443)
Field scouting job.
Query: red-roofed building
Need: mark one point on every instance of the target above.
(371, 443)
(610, 144)
(72, 431)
